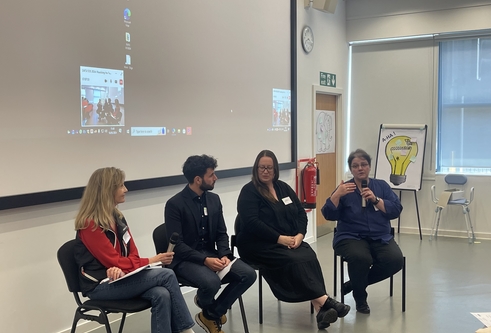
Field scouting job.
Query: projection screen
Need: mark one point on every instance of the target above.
(140, 85)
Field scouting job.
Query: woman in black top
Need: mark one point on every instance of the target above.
(273, 225)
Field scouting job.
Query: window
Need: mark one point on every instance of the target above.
(464, 106)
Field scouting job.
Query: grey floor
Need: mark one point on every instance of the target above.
(447, 279)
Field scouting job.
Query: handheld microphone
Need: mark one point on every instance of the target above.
(173, 241)
(364, 184)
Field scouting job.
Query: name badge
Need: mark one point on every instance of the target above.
(126, 237)
(287, 200)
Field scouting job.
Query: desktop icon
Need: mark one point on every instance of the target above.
(128, 60)
(128, 37)
(188, 131)
(127, 14)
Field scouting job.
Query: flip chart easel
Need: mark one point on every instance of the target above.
(400, 159)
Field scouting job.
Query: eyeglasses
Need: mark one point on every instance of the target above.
(263, 168)
(356, 166)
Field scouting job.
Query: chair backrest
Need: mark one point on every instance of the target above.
(237, 224)
(455, 179)
(66, 258)
(160, 239)
(161, 242)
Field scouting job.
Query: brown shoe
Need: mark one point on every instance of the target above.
(209, 325)
(223, 318)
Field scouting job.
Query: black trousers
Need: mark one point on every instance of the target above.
(369, 261)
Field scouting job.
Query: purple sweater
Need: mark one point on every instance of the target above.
(355, 222)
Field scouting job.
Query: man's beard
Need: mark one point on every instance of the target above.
(205, 187)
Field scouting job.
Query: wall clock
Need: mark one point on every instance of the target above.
(307, 39)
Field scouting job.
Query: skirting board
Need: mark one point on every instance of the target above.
(444, 233)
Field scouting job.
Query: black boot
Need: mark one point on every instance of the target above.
(361, 302)
(341, 309)
(346, 288)
(362, 307)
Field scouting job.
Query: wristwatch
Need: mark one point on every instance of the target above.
(377, 200)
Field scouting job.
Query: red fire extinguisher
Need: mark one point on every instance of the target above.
(310, 179)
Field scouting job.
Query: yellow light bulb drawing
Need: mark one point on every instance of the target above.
(400, 152)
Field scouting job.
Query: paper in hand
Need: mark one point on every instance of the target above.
(221, 274)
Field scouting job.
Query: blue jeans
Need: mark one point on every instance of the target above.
(158, 285)
(240, 277)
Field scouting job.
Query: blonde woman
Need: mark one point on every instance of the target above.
(106, 251)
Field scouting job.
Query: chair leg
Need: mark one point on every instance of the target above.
(123, 319)
(391, 285)
(470, 229)
(335, 275)
(103, 317)
(341, 274)
(260, 298)
(80, 313)
(436, 222)
(403, 278)
(341, 271)
(75, 320)
(404, 285)
(242, 313)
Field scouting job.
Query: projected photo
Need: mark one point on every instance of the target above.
(102, 97)
(281, 108)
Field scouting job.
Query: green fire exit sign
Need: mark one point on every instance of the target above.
(328, 79)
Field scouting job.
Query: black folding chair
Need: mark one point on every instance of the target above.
(391, 279)
(70, 270)
(233, 245)
(161, 242)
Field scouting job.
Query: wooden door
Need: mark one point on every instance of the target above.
(327, 168)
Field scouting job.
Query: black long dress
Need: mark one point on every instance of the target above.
(294, 275)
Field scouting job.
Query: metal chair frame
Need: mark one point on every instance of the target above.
(70, 270)
(233, 245)
(459, 180)
(342, 260)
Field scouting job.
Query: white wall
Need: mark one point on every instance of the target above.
(33, 292)
(330, 54)
(374, 19)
